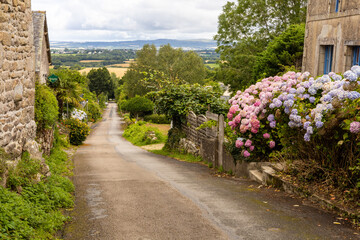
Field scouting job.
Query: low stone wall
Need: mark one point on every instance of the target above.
(17, 81)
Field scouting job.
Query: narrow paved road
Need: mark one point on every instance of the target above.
(124, 192)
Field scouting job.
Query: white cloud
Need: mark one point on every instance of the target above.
(129, 20)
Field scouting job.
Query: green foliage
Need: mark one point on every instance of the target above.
(207, 124)
(24, 174)
(139, 106)
(244, 31)
(284, 50)
(78, 131)
(34, 213)
(178, 155)
(156, 118)
(176, 101)
(174, 136)
(102, 100)
(139, 134)
(100, 81)
(93, 111)
(46, 107)
(153, 70)
(68, 89)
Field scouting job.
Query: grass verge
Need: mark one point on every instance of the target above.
(186, 157)
(32, 209)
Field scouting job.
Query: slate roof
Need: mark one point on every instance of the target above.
(40, 29)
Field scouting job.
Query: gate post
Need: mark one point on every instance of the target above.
(221, 131)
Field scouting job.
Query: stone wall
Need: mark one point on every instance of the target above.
(17, 81)
(324, 27)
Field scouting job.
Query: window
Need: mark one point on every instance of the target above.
(337, 5)
(356, 55)
(329, 49)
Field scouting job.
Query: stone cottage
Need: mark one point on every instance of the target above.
(42, 47)
(17, 77)
(332, 37)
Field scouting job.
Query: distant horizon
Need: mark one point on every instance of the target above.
(155, 39)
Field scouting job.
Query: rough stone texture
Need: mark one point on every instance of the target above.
(324, 26)
(42, 46)
(17, 84)
(46, 140)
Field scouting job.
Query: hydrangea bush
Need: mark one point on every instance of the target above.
(78, 114)
(274, 112)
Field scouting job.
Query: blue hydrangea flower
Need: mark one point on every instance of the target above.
(306, 125)
(351, 76)
(319, 124)
(306, 96)
(327, 98)
(273, 124)
(353, 95)
(289, 103)
(307, 137)
(356, 69)
(271, 118)
(312, 99)
(310, 130)
(312, 91)
(294, 111)
(292, 91)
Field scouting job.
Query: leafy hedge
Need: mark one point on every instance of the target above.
(46, 107)
(156, 118)
(139, 134)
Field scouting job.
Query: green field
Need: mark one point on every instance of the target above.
(212, 65)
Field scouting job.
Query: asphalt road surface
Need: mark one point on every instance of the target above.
(125, 192)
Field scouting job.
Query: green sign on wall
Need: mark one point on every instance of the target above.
(53, 78)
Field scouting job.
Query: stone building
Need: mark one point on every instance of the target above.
(17, 77)
(42, 47)
(332, 37)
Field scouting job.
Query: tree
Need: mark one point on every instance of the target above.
(100, 82)
(139, 106)
(285, 50)
(176, 101)
(68, 88)
(170, 64)
(245, 28)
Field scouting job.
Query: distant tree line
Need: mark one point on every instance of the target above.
(107, 57)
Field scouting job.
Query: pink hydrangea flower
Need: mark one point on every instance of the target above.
(248, 143)
(239, 143)
(272, 144)
(254, 130)
(252, 148)
(246, 154)
(266, 136)
(355, 127)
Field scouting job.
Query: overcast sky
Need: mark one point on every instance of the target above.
(111, 20)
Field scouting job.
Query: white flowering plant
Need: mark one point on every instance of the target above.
(78, 114)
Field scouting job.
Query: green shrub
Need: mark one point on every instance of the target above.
(24, 173)
(122, 105)
(139, 106)
(78, 131)
(35, 212)
(174, 136)
(155, 118)
(46, 107)
(102, 100)
(139, 134)
(94, 111)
